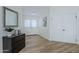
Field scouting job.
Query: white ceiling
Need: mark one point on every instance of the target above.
(35, 10)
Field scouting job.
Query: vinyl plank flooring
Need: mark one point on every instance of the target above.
(37, 44)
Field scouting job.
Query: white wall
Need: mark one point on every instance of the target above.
(39, 12)
(2, 33)
(1, 29)
(44, 31)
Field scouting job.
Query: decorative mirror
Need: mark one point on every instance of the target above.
(10, 18)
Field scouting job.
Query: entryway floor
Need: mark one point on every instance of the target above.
(37, 44)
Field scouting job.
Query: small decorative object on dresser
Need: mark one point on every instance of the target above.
(13, 44)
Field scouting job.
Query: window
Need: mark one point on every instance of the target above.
(33, 23)
(30, 23)
(27, 23)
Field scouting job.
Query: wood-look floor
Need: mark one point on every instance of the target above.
(37, 44)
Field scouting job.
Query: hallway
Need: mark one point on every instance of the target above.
(37, 44)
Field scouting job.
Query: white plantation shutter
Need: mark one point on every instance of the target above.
(33, 23)
(30, 23)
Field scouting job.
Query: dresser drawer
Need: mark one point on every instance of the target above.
(21, 37)
(18, 43)
(18, 48)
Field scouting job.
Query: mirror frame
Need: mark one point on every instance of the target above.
(4, 17)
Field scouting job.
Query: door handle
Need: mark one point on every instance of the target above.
(63, 30)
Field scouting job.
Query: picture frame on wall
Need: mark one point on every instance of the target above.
(44, 21)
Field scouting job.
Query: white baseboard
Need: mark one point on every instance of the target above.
(63, 41)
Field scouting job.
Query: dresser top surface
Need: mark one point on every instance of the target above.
(12, 36)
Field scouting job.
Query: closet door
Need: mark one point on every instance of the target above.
(57, 28)
(68, 27)
(63, 27)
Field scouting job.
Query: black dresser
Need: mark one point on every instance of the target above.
(13, 44)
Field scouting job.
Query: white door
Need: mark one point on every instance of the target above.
(68, 27)
(57, 28)
(64, 27)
